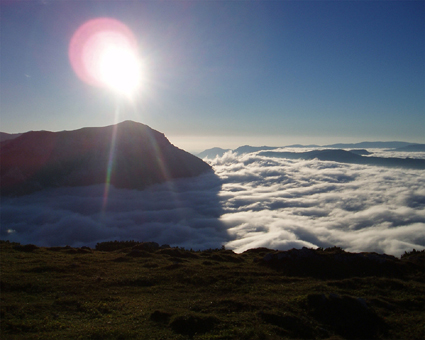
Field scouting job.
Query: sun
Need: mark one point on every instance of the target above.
(120, 69)
(104, 52)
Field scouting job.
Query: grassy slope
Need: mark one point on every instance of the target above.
(65, 293)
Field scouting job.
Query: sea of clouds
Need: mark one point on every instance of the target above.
(249, 201)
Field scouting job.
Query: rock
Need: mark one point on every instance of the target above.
(291, 324)
(348, 316)
(26, 248)
(333, 263)
(161, 317)
(193, 323)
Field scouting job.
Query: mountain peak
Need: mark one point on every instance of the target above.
(130, 154)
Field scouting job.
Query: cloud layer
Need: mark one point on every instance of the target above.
(251, 201)
(184, 212)
(280, 203)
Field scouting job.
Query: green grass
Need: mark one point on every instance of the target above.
(65, 293)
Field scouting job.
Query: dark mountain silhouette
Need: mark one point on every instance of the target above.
(247, 149)
(212, 153)
(394, 146)
(362, 152)
(302, 146)
(135, 155)
(8, 136)
(344, 156)
(368, 145)
(412, 148)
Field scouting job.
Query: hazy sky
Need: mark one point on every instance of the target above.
(227, 73)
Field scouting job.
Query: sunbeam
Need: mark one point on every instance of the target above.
(110, 163)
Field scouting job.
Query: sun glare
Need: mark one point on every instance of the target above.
(119, 69)
(103, 52)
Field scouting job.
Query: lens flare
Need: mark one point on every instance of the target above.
(103, 52)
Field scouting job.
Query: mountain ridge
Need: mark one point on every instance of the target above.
(343, 156)
(8, 136)
(127, 155)
(392, 146)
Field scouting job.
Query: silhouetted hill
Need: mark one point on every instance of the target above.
(412, 148)
(247, 149)
(398, 146)
(129, 155)
(343, 156)
(361, 152)
(302, 146)
(212, 153)
(367, 145)
(8, 136)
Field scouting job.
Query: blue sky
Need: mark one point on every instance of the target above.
(227, 73)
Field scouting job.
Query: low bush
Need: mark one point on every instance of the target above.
(115, 245)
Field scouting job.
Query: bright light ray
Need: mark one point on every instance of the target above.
(110, 164)
(166, 174)
(159, 158)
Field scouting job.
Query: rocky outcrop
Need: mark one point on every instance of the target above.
(127, 155)
(348, 316)
(336, 263)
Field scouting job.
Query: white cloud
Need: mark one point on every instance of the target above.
(184, 212)
(252, 201)
(280, 202)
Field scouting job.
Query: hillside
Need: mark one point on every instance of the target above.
(127, 155)
(412, 148)
(130, 290)
(212, 153)
(368, 145)
(8, 136)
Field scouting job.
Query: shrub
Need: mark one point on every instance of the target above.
(115, 245)
(414, 252)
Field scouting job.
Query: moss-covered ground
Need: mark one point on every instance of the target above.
(68, 293)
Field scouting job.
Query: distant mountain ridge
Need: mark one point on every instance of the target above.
(393, 145)
(370, 145)
(412, 148)
(8, 136)
(248, 149)
(343, 156)
(212, 153)
(128, 155)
